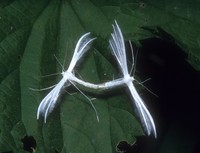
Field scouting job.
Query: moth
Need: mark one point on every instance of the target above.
(48, 103)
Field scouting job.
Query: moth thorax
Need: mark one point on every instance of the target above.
(67, 75)
(128, 79)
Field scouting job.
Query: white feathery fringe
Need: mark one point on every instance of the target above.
(48, 103)
(118, 49)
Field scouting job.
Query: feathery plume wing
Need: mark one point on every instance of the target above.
(81, 47)
(118, 49)
(49, 102)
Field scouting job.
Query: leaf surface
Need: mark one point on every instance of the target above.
(32, 32)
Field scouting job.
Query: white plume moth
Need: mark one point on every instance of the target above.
(118, 49)
(48, 103)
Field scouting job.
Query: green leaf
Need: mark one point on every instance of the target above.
(18, 132)
(10, 115)
(32, 32)
(179, 20)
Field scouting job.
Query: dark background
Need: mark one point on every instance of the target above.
(176, 111)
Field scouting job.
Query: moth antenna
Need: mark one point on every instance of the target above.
(141, 83)
(48, 75)
(145, 80)
(97, 116)
(134, 61)
(65, 59)
(43, 89)
(131, 46)
(78, 74)
(69, 93)
(59, 63)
